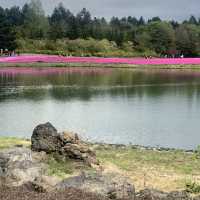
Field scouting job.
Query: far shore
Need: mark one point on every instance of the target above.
(39, 60)
(95, 65)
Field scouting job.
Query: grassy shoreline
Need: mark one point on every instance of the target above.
(95, 65)
(165, 170)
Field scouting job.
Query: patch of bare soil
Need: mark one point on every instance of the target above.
(26, 192)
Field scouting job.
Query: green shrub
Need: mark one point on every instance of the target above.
(192, 187)
(80, 47)
(57, 166)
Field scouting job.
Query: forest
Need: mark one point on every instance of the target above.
(29, 29)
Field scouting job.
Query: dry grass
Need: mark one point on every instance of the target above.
(162, 170)
(167, 171)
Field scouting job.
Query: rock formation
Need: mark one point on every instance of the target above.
(46, 138)
(17, 166)
(112, 186)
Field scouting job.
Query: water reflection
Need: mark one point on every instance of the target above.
(63, 84)
(147, 107)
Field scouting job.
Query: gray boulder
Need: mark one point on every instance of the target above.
(112, 186)
(151, 194)
(45, 138)
(17, 167)
(178, 195)
(148, 194)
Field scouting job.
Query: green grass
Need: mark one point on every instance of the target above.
(174, 160)
(57, 166)
(192, 187)
(6, 142)
(163, 170)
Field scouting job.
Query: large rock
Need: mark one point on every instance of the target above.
(108, 185)
(45, 138)
(75, 148)
(17, 166)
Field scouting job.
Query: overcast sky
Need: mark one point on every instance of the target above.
(166, 9)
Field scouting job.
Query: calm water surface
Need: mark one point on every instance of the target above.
(145, 107)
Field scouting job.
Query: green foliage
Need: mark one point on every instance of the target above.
(188, 39)
(161, 35)
(192, 187)
(35, 24)
(197, 152)
(81, 34)
(57, 166)
(7, 35)
(7, 142)
(130, 158)
(79, 47)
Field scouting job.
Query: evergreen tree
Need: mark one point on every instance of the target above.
(35, 24)
(162, 36)
(7, 35)
(84, 23)
(62, 23)
(193, 20)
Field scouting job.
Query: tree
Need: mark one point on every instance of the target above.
(174, 24)
(132, 20)
(14, 16)
(62, 23)
(154, 19)
(141, 21)
(7, 35)
(188, 39)
(162, 36)
(35, 24)
(193, 20)
(84, 23)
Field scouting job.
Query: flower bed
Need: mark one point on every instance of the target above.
(95, 60)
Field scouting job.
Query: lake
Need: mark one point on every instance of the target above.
(158, 108)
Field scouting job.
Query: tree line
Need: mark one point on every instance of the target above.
(29, 28)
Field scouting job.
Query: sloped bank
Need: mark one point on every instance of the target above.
(23, 172)
(22, 166)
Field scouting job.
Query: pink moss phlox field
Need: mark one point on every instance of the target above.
(96, 60)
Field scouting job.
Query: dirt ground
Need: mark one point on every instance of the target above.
(26, 193)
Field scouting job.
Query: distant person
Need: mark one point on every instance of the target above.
(182, 56)
(6, 52)
(13, 53)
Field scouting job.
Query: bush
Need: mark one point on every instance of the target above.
(192, 187)
(80, 47)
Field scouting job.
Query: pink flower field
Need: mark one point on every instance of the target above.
(95, 60)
